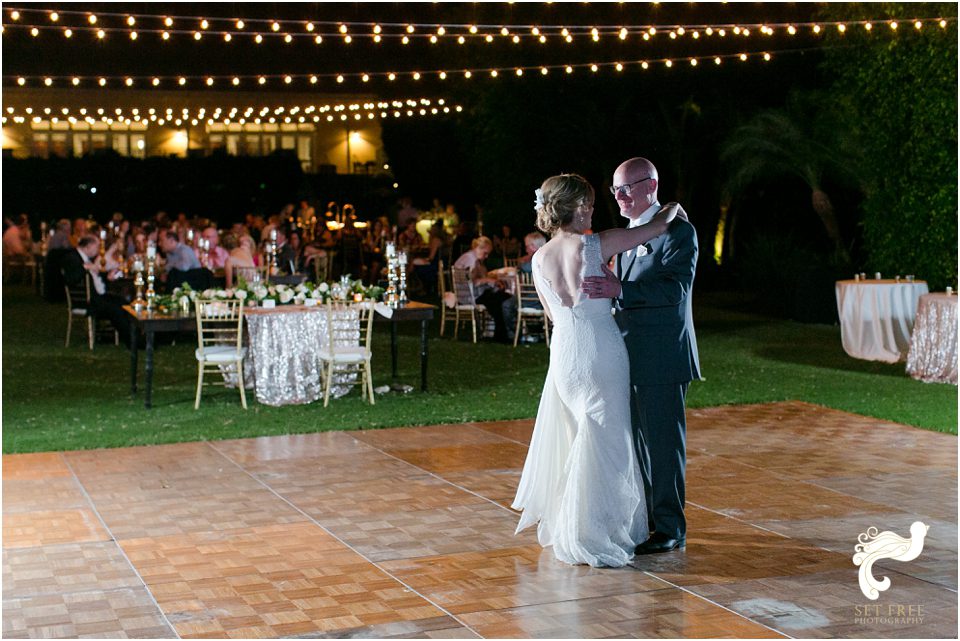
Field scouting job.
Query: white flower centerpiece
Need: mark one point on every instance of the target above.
(254, 294)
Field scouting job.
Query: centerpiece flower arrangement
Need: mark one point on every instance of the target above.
(254, 294)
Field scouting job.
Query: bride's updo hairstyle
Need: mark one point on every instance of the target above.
(558, 199)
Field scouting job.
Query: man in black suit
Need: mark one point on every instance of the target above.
(653, 287)
(75, 265)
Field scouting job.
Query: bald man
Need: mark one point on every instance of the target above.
(652, 287)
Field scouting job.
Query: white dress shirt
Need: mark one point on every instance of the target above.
(98, 284)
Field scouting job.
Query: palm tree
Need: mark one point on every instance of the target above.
(788, 142)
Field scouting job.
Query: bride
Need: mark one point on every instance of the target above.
(581, 480)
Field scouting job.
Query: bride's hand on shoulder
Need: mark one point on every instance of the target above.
(668, 212)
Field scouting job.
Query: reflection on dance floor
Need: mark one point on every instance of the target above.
(407, 533)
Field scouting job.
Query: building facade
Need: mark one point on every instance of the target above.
(328, 133)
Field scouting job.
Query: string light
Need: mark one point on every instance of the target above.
(368, 110)
(429, 31)
(366, 77)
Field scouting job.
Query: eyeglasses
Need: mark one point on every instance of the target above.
(626, 189)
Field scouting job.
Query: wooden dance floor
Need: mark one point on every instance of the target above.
(407, 533)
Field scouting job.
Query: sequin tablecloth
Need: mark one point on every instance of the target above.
(933, 347)
(283, 354)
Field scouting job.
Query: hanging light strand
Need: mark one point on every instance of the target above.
(259, 29)
(290, 114)
(364, 77)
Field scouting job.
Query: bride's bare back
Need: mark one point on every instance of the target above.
(561, 262)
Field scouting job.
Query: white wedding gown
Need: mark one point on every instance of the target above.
(581, 480)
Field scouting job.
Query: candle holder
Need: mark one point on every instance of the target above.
(402, 273)
(138, 303)
(271, 250)
(151, 276)
(103, 250)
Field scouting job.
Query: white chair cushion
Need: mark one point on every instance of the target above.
(219, 354)
(532, 311)
(344, 354)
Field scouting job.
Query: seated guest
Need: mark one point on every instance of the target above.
(15, 242)
(177, 256)
(507, 244)
(531, 242)
(79, 230)
(349, 257)
(410, 239)
(61, 236)
(239, 256)
(489, 292)
(427, 268)
(286, 255)
(295, 241)
(216, 255)
(75, 264)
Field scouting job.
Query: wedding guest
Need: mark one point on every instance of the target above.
(61, 236)
(79, 231)
(410, 239)
(506, 243)
(426, 269)
(83, 259)
(239, 255)
(14, 246)
(216, 255)
(177, 256)
(531, 242)
(406, 213)
(489, 292)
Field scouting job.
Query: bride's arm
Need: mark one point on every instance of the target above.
(617, 241)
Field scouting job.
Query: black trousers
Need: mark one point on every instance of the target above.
(493, 300)
(658, 413)
(110, 307)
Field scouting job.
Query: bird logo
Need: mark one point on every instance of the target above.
(886, 545)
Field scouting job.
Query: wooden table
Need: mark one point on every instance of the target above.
(411, 311)
(150, 323)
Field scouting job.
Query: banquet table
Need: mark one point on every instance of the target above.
(283, 354)
(876, 317)
(933, 347)
(410, 311)
(151, 322)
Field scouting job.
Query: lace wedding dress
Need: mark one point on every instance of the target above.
(581, 480)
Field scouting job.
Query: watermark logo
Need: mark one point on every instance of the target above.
(874, 546)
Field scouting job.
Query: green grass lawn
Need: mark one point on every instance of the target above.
(57, 398)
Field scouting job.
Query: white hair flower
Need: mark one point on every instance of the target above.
(539, 202)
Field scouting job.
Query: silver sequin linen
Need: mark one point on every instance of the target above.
(933, 347)
(283, 355)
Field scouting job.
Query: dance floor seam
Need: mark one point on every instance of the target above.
(143, 583)
(408, 532)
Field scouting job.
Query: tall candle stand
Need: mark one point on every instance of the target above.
(390, 296)
(138, 303)
(103, 250)
(151, 276)
(204, 252)
(402, 270)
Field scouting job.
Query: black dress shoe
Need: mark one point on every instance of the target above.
(659, 543)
